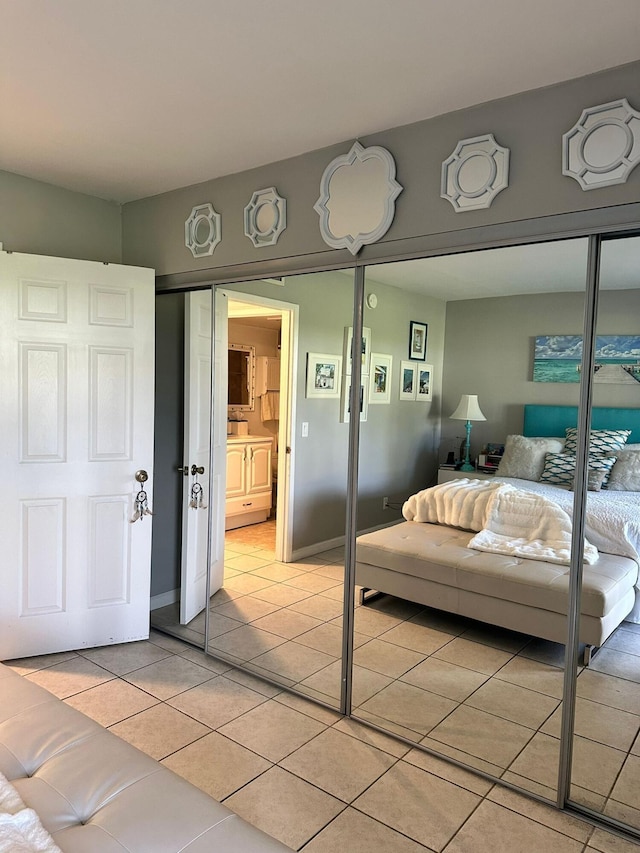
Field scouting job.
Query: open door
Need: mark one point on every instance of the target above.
(77, 391)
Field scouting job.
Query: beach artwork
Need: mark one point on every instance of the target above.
(617, 359)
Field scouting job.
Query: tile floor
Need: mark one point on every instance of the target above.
(487, 697)
(318, 782)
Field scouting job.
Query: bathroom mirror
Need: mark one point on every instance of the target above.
(241, 377)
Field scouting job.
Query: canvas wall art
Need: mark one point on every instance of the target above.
(557, 358)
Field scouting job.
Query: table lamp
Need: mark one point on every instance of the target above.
(468, 410)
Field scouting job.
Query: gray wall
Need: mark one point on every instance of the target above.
(531, 125)
(489, 350)
(42, 219)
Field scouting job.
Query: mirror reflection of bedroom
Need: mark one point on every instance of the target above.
(463, 650)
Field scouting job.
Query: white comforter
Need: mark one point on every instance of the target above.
(20, 827)
(508, 520)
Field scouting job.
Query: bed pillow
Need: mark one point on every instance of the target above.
(602, 442)
(559, 468)
(625, 474)
(594, 481)
(524, 457)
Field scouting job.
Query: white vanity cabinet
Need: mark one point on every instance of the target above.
(248, 497)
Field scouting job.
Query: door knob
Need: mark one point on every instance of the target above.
(141, 476)
(197, 469)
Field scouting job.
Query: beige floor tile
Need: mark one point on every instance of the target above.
(198, 656)
(217, 702)
(171, 644)
(500, 638)
(283, 595)
(321, 761)
(609, 690)
(246, 642)
(373, 622)
(398, 607)
(492, 827)
(246, 583)
(24, 666)
(366, 683)
(539, 760)
(69, 677)
(439, 620)
(488, 737)
(600, 723)
(544, 651)
(349, 726)
(533, 675)
(416, 803)
(305, 706)
(387, 725)
(111, 702)
(284, 806)
(410, 706)
(621, 812)
(313, 582)
(624, 640)
(595, 766)
(473, 656)
(627, 787)
(464, 758)
(286, 623)
(513, 702)
(386, 658)
(446, 679)
(276, 572)
(246, 562)
(535, 788)
(319, 607)
(169, 676)
(606, 842)
(160, 730)
(272, 730)
(253, 682)
(446, 770)
(327, 638)
(293, 661)
(357, 833)
(595, 802)
(245, 609)
(335, 571)
(219, 624)
(619, 664)
(549, 816)
(217, 765)
(419, 638)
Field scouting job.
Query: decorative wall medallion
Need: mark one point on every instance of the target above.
(202, 230)
(357, 198)
(265, 217)
(603, 147)
(475, 173)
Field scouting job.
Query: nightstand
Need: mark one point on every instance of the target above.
(447, 474)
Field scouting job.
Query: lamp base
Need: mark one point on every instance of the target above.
(466, 466)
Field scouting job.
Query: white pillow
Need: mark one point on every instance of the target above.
(625, 474)
(524, 457)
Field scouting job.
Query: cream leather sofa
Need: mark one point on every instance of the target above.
(94, 793)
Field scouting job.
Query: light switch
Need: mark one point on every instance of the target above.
(305, 429)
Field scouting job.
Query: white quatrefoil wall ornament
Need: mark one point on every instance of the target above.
(202, 231)
(603, 147)
(265, 217)
(357, 198)
(475, 173)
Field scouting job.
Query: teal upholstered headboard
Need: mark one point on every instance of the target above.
(553, 420)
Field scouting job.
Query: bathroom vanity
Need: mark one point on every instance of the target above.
(248, 496)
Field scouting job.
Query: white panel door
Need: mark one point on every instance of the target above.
(76, 420)
(197, 434)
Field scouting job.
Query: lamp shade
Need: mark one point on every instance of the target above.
(468, 409)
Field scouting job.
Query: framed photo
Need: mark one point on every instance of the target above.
(408, 380)
(346, 397)
(323, 375)
(380, 378)
(417, 341)
(424, 386)
(365, 349)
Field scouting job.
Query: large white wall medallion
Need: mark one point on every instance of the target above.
(202, 230)
(357, 198)
(475, 173)
(603, 147)
(265, 217)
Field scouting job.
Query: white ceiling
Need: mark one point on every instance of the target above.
(123, 99)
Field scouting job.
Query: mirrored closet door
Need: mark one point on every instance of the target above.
(463, 652)
(605, 772)
(278, 609)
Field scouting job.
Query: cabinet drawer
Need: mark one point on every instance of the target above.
(248, 503)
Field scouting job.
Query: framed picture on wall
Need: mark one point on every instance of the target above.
(323, 375)
(346, 400)
(417, 341)
(365, 349)
(380, 378)
(408, 380)
(424, 385)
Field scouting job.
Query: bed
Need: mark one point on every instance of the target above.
(433, 563)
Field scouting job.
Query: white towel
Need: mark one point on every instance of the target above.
(270, 406)
(20, 827)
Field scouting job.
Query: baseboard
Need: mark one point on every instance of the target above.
(165, 598)
(328, 544)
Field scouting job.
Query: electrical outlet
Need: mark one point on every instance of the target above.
(385, 503)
